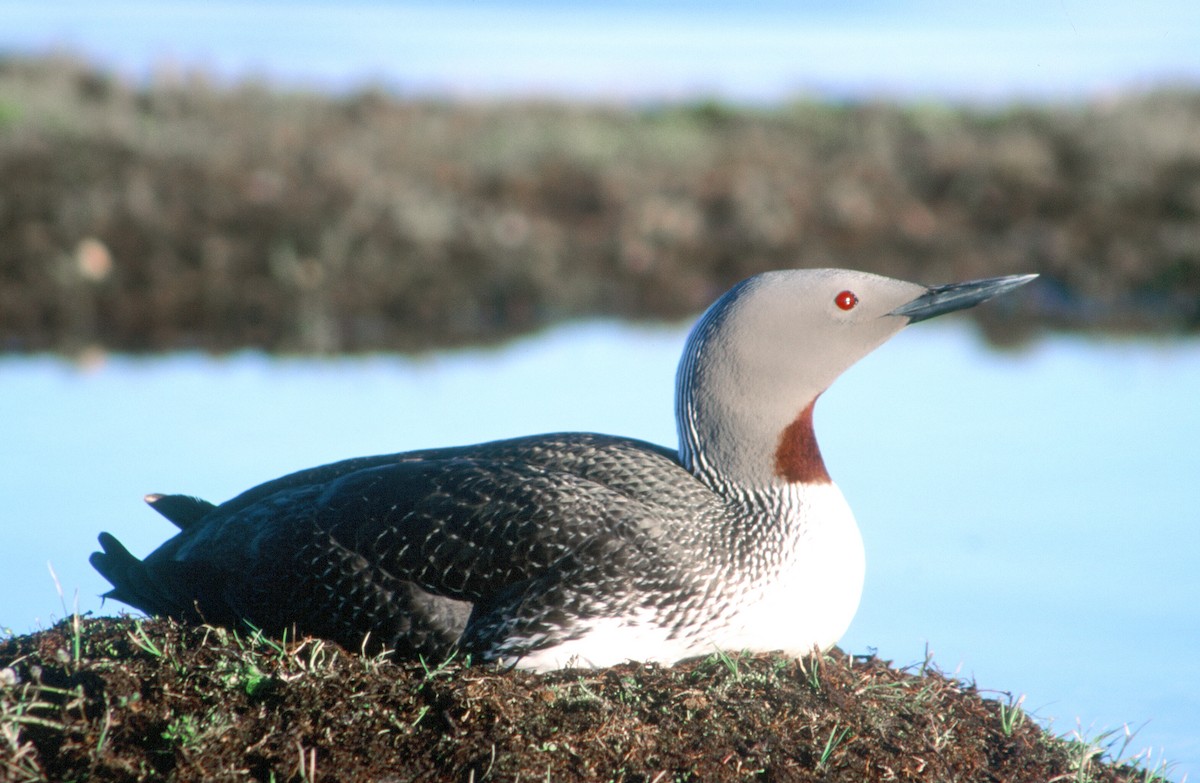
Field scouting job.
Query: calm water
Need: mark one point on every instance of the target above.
(1029, 516)
(756, 50)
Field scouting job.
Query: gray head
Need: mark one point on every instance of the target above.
(759, 357)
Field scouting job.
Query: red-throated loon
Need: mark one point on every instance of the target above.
(573, 549)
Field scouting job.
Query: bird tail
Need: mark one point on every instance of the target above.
(184, 511)
(154, 589)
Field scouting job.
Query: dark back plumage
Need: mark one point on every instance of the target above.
(489, 547)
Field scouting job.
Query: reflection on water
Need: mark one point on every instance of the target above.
(1029, 516)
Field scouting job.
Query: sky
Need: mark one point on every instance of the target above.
(762, 50)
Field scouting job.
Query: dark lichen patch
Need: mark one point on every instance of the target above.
(140, 700)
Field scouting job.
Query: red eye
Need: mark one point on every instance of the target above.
(846, 300)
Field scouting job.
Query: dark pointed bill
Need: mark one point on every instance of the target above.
(958, 296)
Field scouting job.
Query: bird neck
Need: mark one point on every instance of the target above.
(736, 451)
(738, 439)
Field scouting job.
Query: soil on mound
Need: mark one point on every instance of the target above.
(139, 700)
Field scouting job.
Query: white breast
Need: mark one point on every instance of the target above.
(812, 597)
(806, 600)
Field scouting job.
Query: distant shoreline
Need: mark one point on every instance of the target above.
(183, 215)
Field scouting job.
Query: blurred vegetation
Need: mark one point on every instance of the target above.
(181, 213)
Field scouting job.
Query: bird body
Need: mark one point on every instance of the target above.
(572, 548)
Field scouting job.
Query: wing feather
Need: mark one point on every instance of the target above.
(524, 534)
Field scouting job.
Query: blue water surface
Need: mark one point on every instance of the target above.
(1029, 516)
(755, 50)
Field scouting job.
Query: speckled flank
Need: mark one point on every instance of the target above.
(798, 457)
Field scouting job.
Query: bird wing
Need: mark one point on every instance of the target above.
(536, 551)
(519, 530)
